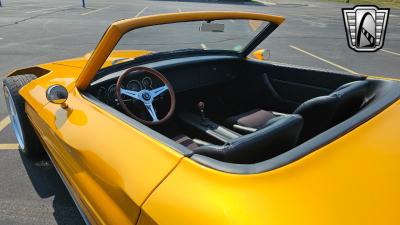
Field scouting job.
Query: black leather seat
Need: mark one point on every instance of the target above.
(319, 113)
(255, 118)
(279, 135)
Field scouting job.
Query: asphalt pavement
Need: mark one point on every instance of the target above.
(34, 32)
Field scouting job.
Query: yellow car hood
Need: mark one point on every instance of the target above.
(115, 57)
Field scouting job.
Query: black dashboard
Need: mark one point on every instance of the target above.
(184, 74)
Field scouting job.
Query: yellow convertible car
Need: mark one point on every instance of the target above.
(170, 120)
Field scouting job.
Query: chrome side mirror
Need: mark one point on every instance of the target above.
(57, 94)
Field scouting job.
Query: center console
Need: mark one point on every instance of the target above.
(202, 123)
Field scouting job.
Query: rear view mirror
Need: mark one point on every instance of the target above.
(212, 27)
(262, 54)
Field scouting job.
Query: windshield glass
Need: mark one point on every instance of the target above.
(232, 35)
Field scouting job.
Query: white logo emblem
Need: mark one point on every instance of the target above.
(365, 27)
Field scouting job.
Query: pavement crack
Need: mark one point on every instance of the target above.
(34, 17)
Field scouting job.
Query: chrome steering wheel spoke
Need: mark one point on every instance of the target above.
(151, 110)
(132, 94)
(157, 91)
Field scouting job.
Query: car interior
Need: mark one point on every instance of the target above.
(236, 110)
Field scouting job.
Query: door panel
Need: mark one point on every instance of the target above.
(296, 92)
(296, 84)
(111, 166)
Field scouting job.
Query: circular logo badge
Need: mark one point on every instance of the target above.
(146, 96)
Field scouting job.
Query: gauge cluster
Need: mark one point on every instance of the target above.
(107, 91)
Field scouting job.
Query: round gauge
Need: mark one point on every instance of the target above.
(101, 93)
(147, 82)
(134, 85)
(111, 94)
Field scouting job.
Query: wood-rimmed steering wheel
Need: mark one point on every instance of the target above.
(146, 96)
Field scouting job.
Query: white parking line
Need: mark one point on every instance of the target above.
(40, 10)
(203, 46)
(394, 53)
(9, 146)
(93, 11)
(1, 38)
(179, 10)
(324, 60)
(18, 1)
(269, 3)
(18, 6)
(141, 11)
(265, 2)
(4, 123)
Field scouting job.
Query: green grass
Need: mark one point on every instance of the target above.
(381, 3)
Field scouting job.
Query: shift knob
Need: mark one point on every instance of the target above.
(201, 106)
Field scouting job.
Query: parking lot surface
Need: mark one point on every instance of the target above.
(34, 32)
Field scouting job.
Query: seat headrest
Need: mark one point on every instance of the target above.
(350, 98)
(355, 85)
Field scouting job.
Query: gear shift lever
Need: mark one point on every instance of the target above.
(201, 107)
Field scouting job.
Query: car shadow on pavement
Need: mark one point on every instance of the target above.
(47, 183)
